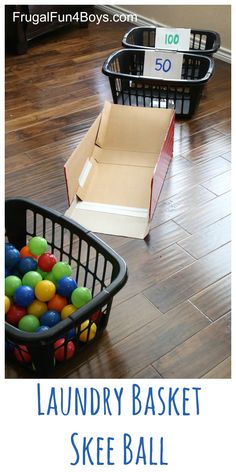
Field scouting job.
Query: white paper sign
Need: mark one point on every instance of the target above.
(173, 38)
(163, 64)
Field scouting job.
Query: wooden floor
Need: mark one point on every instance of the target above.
(172, 319)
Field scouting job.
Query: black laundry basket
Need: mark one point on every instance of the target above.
(95, 265)
(201, 42)
(129, 87)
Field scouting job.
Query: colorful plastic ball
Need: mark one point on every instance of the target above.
(87, 331)
(25, 252)
(7, 303)
(42, 273)
(38, 245)
(61, 269)
(29, 323)
(65, 286)
(23, 295)
(14, 314)
(96, 316)
(80, 296)
(67, 311)
(9, 245)
(50, 318)
(46, 261)
(27, 264)
(12, 256)
(57, 303)
(63, 350)
(31, 278)
(21, 353)
(71, 334)
(50, 276)
(12, 282)
(37, 308)
(45, 290)
(42, 329)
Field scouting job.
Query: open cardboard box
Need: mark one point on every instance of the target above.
(115, 175)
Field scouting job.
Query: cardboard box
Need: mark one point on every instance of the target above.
(114, 177)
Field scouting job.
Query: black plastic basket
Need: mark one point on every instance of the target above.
(95, 265)
(129, 87)
(201, 42)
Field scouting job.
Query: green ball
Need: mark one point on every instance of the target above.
(51, 277)
(31, 278)
(80, 296)
(12, 282)
(61, 269)
(42, 273)
(38, 245)
(29, 323)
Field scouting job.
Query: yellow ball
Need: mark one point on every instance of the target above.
(7, 303)
(87, 332)
(67, 311)
(45, 290)
(37, 308)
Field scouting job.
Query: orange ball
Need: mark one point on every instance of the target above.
(67, 311)
(25, 252)
(45, 290)
(57, 303)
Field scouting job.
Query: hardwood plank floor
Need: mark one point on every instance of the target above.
(172, 319)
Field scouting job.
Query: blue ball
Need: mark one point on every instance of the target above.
(65, 286)
(12, 256)
(9, 246)
(50, 318)
(27, 264)
(23, 296)
(71, 334)
(42, 328)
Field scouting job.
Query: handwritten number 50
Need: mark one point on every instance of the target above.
(163, 65)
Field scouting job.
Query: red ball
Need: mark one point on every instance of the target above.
(21, 354)
(15, 313)
(96, 316)
(46, 261)
(63, 350)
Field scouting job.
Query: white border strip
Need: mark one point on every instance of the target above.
(223, 54)
(115, 209)
(85, 172)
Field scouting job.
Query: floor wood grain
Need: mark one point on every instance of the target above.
(197, 355)
(172, 319)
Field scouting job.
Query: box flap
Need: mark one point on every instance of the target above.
(120, 221)
(79, 159)
(133, 128)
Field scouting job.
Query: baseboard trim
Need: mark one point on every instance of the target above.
(223, 54)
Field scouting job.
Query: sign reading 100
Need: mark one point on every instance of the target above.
(171, 39)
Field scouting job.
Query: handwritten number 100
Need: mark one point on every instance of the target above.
(171, 39)
(165, 65)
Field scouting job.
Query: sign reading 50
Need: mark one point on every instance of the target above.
(163, 64)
